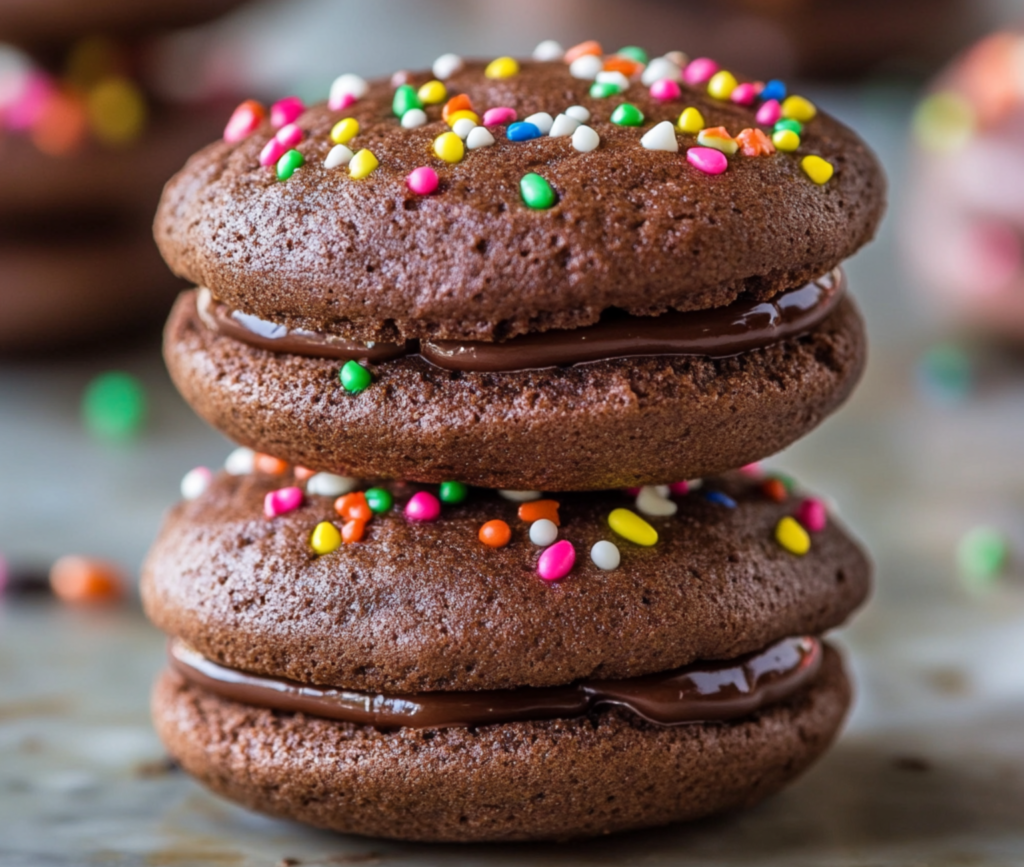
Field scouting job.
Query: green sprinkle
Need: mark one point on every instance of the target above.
(946, 374)
(604, 89)
(405, 99)
(379, 499)
(453, 492)
(982, 555)
(355, 377)
(633, 52)
(114, 406)
(627, 114)
(790, 124)
(536, 191)
(289, 162)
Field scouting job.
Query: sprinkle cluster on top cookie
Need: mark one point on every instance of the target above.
(778, 118)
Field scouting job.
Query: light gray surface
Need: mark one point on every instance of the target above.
(930, 770)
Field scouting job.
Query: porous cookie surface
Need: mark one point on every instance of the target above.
(593, 426)
(425, 605)
(519, 781)
(632, 228)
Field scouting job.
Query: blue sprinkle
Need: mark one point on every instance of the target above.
(774, 89)
(720, 498)
(523, 131)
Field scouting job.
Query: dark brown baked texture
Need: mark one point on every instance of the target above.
(603, 425)
(519, 781)
(635, 229)
(417, 607)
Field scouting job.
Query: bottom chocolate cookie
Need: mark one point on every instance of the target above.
(555, 779)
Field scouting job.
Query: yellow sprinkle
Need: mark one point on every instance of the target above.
(449, 147)
(944, 122)
(786, 140)
(791, 536)
(798, 108)
(631, 526)
(817, 169)
(345, 130)
(325, 538)
(691, 121)
(362, 164)
(458, 115)
(117, 111)
(722, 85)
(503, 67)
(710, 139)
(432, 93)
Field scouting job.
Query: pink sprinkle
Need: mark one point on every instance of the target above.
(556, 561)
(666, 90)
(769, 113)
(272, 151)
(28, 106)
(423, 181)
(341, 101)
(753, 469)
(812, 514)
(700, 70)
(286, 111)
(744, 94)
(289, 135)
(243, 123)
(708, 160)
(401, 77)
(282, 501)
(499, 116)
(679, 488)
(423, 506)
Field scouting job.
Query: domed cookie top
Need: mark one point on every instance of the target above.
(377, 257)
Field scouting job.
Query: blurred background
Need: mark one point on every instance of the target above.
(100, 102)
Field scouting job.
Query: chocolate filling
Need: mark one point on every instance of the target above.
(702, 692)
(718, 333)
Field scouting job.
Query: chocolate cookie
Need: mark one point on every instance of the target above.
(633, 228)
(425, 605)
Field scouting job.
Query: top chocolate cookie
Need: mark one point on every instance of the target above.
(679, 216)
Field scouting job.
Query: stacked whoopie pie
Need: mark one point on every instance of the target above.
(489, 335)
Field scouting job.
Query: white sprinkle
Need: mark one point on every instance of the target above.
(446, 66)
(542, 120)
(463, 127)
(339, 155)
(679, 58)
(240, 462)
(563, 125)
(605, 555)
(413, 118)
(195, 483)
(616, 78)
(543, 532)
(661, 137)
(659, 69)
(479, 137)
(695, 484)
(548, 50)
(348, 83)
(330, 485)
(520, 496)
(585, 139)
(650, 502)
(586, 67)
(662, 490)
(578, 112)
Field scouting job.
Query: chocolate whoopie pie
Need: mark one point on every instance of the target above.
(502, 334)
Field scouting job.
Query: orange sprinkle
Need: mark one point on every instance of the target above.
(304, 474)
(774, 489)
(578, 51)
(269, 464)
(352, 531)
(62, 125)
(495, 534)
(456, 103)
(353, 507)
(626, 65)
(754, 143)
(86, 581)
(537, 509)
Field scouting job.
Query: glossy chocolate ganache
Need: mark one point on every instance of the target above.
(702, 692)
(718, 333)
